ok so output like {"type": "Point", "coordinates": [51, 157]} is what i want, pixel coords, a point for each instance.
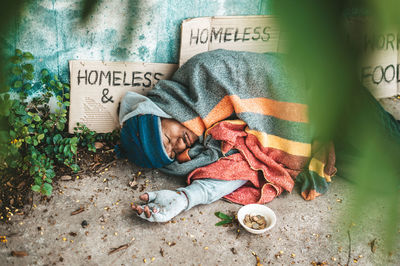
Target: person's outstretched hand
{"type": "Point", "coordinates": [161, 206]}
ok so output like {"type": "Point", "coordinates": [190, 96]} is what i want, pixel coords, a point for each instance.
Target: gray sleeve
{"type": "Point", "coordinates": [205, 191]}
{"type": "Point", "coordinates": [133, 104]}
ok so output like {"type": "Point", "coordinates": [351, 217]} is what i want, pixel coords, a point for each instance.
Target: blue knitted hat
{"type": "Point", "coordinates": [141, 142]}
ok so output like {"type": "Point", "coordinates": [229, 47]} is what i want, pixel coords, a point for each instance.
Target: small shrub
{"type": "Point", "coordinates": [37, 139]}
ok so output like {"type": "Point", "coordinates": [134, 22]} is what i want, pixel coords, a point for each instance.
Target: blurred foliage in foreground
{"type": "Point", "coordinates": [318, 45]}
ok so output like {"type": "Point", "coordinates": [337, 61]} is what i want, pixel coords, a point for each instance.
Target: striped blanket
{"type": "Point", "coordinates": [246, 102]}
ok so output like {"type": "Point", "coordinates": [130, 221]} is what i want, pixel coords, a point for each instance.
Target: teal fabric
{"type": "Point", "coordinates": [141, 142]}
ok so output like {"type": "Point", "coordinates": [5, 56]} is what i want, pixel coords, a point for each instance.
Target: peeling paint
{"type": "Point", "coordinates": [143, 52]}
{"type": "Point", "coordinates": [120, 53]}
{"type": "Point", "coordinates": [129, 30]}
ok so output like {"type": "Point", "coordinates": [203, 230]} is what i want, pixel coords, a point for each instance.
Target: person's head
{"type": "Point", "coordinates": [148, 141]}
{"type": "Point", "coordinates": [176, 137]}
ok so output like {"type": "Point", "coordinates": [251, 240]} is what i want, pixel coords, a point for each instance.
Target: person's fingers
{"type": "Point", "coordinates": [133, 206]}
{"type": "Point", "coordinates": [155, 217]}
{"type": "Point", "coordinates": [158, 216]}
{"type": "Point", "coordinates": [147, 211]}
{"type": "Point", "coordinates": [144, 197]}
{"type": "Point", "coordinates": [153, 207]}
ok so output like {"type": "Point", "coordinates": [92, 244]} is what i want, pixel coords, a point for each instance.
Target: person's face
{"type": "Point", "coordinates": [176, 137]}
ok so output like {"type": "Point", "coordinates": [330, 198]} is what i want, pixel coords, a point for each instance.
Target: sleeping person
{"type": "Point", "coordinates": [233, 125]}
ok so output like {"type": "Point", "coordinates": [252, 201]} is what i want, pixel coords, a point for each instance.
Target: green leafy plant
{"type": "Point", "coordinates": [87, 137]}
{"type": "Point", "coordinates": [225, 219]}
{"type": "Point", "coordinates": [37, 140]}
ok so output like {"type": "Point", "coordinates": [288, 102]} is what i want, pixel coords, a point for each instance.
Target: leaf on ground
{"type": "Point", "coordinates": [118, 249]}
{"type": "Point", "coordinates": [223, 222]}
{"type": "Point", "coordinates": [81, 209]}
{"type": "Point", "coordinates": [19, 253]}
{"type": "Point", "coordinates": [223, 216]}
{"type": "Point", "coordinates": [98, 145]}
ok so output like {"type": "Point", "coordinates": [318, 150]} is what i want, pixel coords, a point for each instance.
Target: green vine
{"type": "Point", "coordinates": [37, 140]}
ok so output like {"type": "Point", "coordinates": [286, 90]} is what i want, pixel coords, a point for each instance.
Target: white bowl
{"type": "Point", "coordinates": [257, 209]}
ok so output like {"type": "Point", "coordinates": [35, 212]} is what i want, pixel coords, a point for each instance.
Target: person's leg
{"type": "Point", "coordinates": [163, 205]}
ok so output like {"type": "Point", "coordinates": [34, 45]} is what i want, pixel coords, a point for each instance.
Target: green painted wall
{"type": "Point", "coordinates": [118, 30]}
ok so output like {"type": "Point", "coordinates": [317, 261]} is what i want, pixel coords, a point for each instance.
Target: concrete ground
{"type": "Point", "coordinates": [306, 233]}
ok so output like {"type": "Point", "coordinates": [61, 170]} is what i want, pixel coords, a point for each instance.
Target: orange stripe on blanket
{"type": "Point", "coordinates": [310, 195]}
{"type": "Point", "coordinates": [222, 110]}
{"type": "Point", "coordinates": [295, 112]}
{"type": "Point", "coordinates": [231, 103]}
{"type": "Point", "coordinates": [184, 156]}
{"type": "Point", "coordinates": [289, 146]}
{"type": "Point", "coordinates": [196, 125]}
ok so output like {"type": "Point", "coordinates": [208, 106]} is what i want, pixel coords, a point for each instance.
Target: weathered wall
{"type": "Point", "coordinates": [119, 30]}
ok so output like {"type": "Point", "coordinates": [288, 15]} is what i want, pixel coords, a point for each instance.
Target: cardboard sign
{"type": "Point", "coordinates": [379, 73]}
{"type": "Point", "coordinates": [379, 69]}
{"type": "Point", "coordinates": [97, 88]}
{"type": "Point", "coordinates": [241, 33]}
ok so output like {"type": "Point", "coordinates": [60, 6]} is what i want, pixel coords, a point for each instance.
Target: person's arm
{"type": "Point", "coordinates": [206, 191]}
{"type": "Point", "coordinates": [163, 205]}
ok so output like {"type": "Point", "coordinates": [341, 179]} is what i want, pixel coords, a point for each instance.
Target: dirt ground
{"type": "Point", "coordinates": [89, 218]}
{"type": "Point", "coordinates": [88, 221]}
